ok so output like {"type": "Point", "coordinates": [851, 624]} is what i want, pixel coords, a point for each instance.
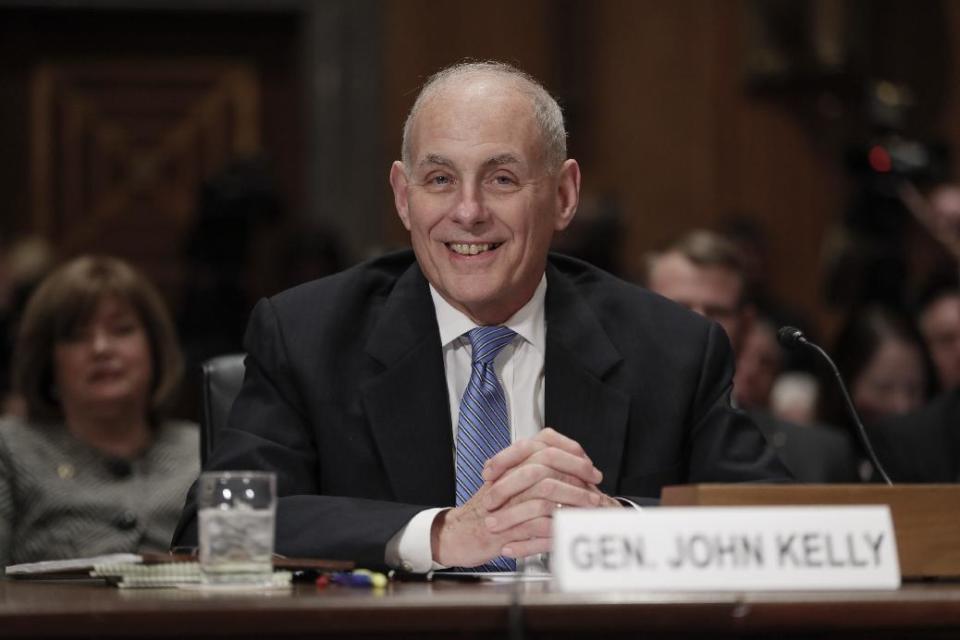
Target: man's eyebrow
{"type": "Point", "coordinates": [495, 161]}
{"type": "Point", "coordinates": [502, 159]}
{"type": "Point", "coordinates": [433, 158]}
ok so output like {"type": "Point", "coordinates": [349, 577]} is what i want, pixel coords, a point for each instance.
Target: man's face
{"type": "Point", "coordinates": [892, 383]}
{"type": "Point", "coordinates": [479, 200]}
{"type": "Point", "coordinates": [714, 292]}
{"type": "Point", "coordinates": [758, 366]}
{"type": "Point", "coordinates": [945, 210]}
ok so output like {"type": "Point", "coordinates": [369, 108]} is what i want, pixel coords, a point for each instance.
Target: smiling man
{"type": "Point", "coordinates": [433, 408]}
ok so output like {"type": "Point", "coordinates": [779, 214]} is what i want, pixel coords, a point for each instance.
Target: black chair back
{"type": "Point", "coordinates": [222, 377]}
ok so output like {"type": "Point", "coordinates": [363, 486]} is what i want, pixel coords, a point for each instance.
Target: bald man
{"type": "Point", "coordinates": [433, 408]}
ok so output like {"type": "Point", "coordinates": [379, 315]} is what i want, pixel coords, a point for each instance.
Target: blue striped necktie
{"type": "Point", "coordinates": [483, 428]}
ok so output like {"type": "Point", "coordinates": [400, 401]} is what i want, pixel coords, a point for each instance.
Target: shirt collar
{"type": "Point", "coordinates": [527, 322]}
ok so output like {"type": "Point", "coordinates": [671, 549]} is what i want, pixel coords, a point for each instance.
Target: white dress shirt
{"type": "Point", "coordinates": [519, 367]}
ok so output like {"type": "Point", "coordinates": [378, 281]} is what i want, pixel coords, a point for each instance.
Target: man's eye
{"type": "Point", "coordinates": [503, 180]}
{"type": "Point", "coordinates": [439, 180]}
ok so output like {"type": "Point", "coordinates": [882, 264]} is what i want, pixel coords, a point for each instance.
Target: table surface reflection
{"type": "Point", "coordinates": [531, 609]}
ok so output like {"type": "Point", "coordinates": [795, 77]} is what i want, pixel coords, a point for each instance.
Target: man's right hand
{"type": "Point", "coordinates": [511, 513]}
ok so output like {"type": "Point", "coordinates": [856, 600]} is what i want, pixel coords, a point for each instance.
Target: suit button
{"type": "Point", "coordinates": [126, 520]}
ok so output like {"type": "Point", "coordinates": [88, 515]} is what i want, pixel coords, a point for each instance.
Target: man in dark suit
{"type": "Point", "coordinates": [358, 386]}
{"type": "Point", "coordinates": [922, 446]}
{"type": "Point", "coordinates": [704, 272]}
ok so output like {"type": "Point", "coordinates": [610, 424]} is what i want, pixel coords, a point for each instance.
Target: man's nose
{"type": "Point", "coordinates": [470, 208]}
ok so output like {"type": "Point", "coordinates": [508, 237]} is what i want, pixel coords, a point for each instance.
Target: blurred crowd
{"type": "Point", "coordinates": [892, 278]}
{"type": "Point", "coordinates": [897, 347]}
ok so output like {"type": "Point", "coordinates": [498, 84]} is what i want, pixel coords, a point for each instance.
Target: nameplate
{"type": "Point", "coordinates": [725, 548]}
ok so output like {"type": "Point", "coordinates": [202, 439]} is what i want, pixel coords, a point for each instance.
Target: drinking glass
{"type": "Point", "coordinates": [237, 512]}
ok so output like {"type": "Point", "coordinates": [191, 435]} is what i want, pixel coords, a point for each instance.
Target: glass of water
{"type": "Point", "coordinates": [237, 511]}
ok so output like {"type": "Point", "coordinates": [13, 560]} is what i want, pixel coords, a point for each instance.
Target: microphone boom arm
{"type": "Point", "coordinates": [790, 337]}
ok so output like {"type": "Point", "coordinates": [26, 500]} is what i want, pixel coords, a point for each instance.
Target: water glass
{"type": "Point", "coordinates": [237, 512]}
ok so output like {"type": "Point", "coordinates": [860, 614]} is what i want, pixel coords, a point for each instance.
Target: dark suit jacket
{"type": "Point", "coordinates": [345, 397]}
{"type": "Point", "coordinates": [818, 454]}
{"type": "Point", "coordinates": [923, 446]}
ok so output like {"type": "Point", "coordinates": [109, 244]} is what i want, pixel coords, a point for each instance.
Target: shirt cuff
{"type": "Point", "coordinates": [409, 548]}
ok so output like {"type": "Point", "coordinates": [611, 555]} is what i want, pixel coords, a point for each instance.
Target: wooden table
{"type": "Point", "coordinates": [520, 610]}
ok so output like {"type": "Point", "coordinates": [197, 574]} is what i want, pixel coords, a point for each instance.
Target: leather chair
{"type": "Point", "coordinates": [222, 377]}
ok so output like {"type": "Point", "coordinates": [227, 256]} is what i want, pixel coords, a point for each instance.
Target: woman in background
{"type": "Point", "coordinates": [881, 357]}
{"type": "Point", "coordinates": [94, 467]}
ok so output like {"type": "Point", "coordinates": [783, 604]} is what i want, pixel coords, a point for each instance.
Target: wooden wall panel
{"type": "Point", "coordinates": [684, 145]}
{"type": "Point", "coordinates": [949, 117]}
{"type": "Point", "coordinates": [116, 117]}
{"type": "Point", "coordinates": [655, 99]}
{"type": "Point", "coordinates": [658, 108]}
{"type": "Point", "coordinates": [109, 134]}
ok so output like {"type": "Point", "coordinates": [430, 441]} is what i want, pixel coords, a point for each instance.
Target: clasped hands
{"type": "Point", "coordinates": [511, 513]}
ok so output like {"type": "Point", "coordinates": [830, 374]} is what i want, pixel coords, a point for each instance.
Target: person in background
{"type": "Point", "coordinates": [924, 445]}
{"type": "Point", "coordinates": [758, 365]}
{"type": "Point", "coordinates": [24, 262]}
{"type": "Point", "coordinates": [939, 214]}
{"type": "Point", "coordinates": [761, 383]}
{"type": "Point", "coordinates": [239, 210]}
{"type": "Point", "coordinates": [753, 245]}
{"type": "Point", "coordinates": [881, 357]}
{"type": "Point", "coordinates": [94, 467]}
{"type": "Point", "coordinates": [938, 318]}
{"type": "Point", "coordinates": [703, 272]}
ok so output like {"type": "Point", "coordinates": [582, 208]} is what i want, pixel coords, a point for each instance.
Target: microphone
{"type": "Point", "coordinates": [792, 338]}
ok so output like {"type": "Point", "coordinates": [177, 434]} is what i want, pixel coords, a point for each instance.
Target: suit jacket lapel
{"type": "Point", "coordinates": [579, 355]}
{"type": "Point", "coordinates": [407, 403]}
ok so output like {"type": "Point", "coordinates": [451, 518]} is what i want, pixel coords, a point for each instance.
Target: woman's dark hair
{"type": "Point", "coordinates": [63, 303]}
{"type": "Point", "coordinates": [865, 331]}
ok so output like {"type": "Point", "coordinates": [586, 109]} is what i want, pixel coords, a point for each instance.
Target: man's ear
{"type": "Point", "coordinates": [398, 182]}
{"type": "Point", "coordinates": [568, 194]}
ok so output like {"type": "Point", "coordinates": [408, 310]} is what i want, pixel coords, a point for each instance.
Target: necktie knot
{"type": "Point", "coordinates": [487, 342]}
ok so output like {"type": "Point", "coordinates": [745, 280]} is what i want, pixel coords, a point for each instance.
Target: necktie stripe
{"type": "Point", "coordinates": [475, 457]}
{"type": "Point", "coordinates": [476, 453]}
{"type": "Point", "coordinates": [493, 393]}
{"type": "Point", "coordinates": [483, 428]}
{"type": "Point", "coordinates": [479, 414]}
{"type": "Point", "coordinates": [479, 417]}
{"type": "Point", "coordinates": [472, 463]}
{"type": "Point", "coordinates": [488, 351]}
